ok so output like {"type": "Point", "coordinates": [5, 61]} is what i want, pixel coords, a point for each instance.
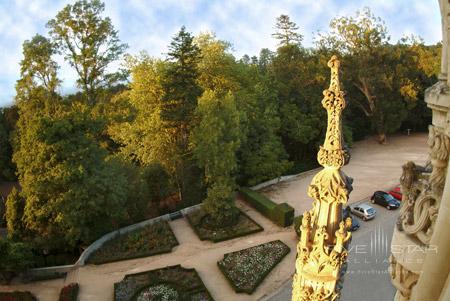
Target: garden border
{"type": "Point", "coordinates": [140, 255]}
{"type": "Point", "coordinates": [203, 238]}
{"type": "Point", "coordinates": [163, 282]}
{"type": "Point", "coordinates": [260, 279]}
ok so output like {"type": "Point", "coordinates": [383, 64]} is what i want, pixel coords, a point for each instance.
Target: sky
{"type": "Point", "coordinates": [248, 24]}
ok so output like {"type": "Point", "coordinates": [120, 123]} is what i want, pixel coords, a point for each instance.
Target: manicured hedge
{"type": "Point", "coordinates": [153, 239]}
{"type": "Point", "coordinates": [17, 296]}
{"type": "Point", "coordinates": [69, 292]}
{"type": "Point", "coordinates": [297, 224]}
{"type": "Point", "coordinates": [182, 284]}
{"type": "Point", "coordinates": [281, 214]}
{"type": "Point", "coordinates": [244, 226]}
{"type": "Point", "coordinates": [247, 268]}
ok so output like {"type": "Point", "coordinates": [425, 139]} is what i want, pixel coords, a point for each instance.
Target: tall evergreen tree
{"type": "Point", "coordinates": [287, 31]}
{"type": "Point", "coordinates": [215, 142]}
{"type": "Point", "coordinates": [181, 92]}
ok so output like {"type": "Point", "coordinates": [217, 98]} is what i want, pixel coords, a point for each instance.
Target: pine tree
{"type": "Point", "coordinates": [287, 31]}
{"type": "Point", "coordinates": [181, 93]}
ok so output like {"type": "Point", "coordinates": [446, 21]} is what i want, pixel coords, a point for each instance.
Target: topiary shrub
{"type": "Point", "coordinates": [297, 224]}
{"type": "Point", "coordinates": [281, 214]}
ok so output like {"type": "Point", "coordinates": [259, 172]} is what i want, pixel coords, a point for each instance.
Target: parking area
{"type": "Point", "coordinates": [367, 277]}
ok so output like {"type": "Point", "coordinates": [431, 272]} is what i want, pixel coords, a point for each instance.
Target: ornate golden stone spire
{"type": "Point", "coordinates": [322, 248]}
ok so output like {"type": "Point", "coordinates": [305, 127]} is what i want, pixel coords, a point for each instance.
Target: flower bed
{"type": "Point", "coordinates": [69, 292]}
{"type": "Point", "coordinates": [151, 240]}
{"type": "Point", "coordinates": [17, 296]}
{"type": "Point", "coordinates": [167, 284]}
{"type": "Point", "coordinates": [244, 226]}
{"type": "Point", "coordinates": [247, 268]}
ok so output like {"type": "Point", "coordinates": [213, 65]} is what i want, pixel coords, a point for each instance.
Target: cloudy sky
{"type": "Point", "coordinates": [247, 24]}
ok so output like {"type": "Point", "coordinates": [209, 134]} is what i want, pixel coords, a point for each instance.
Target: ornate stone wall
{"type": "Point", "coordinates": [420, 259]}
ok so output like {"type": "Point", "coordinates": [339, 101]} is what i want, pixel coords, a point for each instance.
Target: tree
{"type": "Point", "coordinates": [72, 194]}
{"type": "Point", "coordinates": [216, 65]}
{"type": "Point", "coordinates": [181, 93]}
{"type": "Point", "coordinates": [287, 31]}
{"type": "Point", "coordinates": [90, 44]}
{"type": "Point", "coordinates": [372, 69]}
{"type": "Point", "coordinates": [181, 90]}
{"type": "Point", "coordinates": [215, 142]}
{"type": "Point", "coordinates": [16, 257]}
{"type": "Point", "coordinates": [37, 69]}
{"type": "Point", "coordinates": [262, 155]}
{"type": "Point", "coordinates": [299, 78]}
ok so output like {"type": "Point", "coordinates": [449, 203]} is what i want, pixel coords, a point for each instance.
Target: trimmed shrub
{"type": "Point", "coordinates": [17, 296]}
{"type": "Point", "coordinates": [69, 292]}
{"type": "Point", "coordinates": [281, 214]}
{"type": "Point", "coordinates": [297, 224]}
{"type": "Point", "coordinates": [247, 268]}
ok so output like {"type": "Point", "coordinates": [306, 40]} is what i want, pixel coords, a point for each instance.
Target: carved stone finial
{"type": "Point", "coordinates": [332, 152]}
{"type": "Point", "coordinates": [322, 245]}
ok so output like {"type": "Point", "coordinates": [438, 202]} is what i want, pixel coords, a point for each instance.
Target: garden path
{"type": "Point", "coordinates": [372, 166]}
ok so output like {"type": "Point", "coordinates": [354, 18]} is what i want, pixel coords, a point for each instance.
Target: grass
{"type": "Point", "coordinates": [247, 268]}
{"type": "Point", "coordinates": [153, 239]}
{"type": "Point", "coordinates": [244, 226]}
{"type": "Point", "coordinates": [170, 283]}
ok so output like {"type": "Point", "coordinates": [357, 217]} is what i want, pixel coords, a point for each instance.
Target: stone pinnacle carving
{"type": "Point", "coordinates": [322, 248]}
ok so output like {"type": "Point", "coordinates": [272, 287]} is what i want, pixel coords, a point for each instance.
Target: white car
{"type": "Point", "coordinates": [364, 211]}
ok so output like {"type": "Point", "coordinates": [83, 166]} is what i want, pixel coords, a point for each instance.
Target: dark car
{"type": "Point", "coordinates": [396, 192]}
{"type": "Point", "coordinates": [345, 214]}
{"type": "Point", "coordinates": [385, 199]}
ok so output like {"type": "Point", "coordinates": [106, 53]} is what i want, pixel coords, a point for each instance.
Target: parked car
{"type": "Point", "coordinates": [396, 192]}
{"type": "Point", "coordinates": [385, 199]}
{"type": "Point", "coordinates": [364, 211]}
{"type": "Point", "coordinates": [346, 213]}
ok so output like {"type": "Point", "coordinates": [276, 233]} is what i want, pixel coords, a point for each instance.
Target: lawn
{"type": "Point", "coordinates": [247, 268]}
{"type": "Point", "coordinates": [151, 240]}
{"type": "Point", "coordinates": [173, 283]}
{"type": "Point", "coordinates": [244, 226]}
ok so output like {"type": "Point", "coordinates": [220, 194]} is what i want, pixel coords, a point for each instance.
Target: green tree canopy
{"type": "Point", "coordinates": [72, 194]}
{"type": "Point", "coordinates": [89, 42]}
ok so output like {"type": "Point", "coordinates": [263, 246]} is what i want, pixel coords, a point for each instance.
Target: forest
{"type": "Point", "coordinates": [163, 133]}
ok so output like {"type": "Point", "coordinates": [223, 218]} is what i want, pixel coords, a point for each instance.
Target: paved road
{"type": "Point", "coordinates": [367, 277]}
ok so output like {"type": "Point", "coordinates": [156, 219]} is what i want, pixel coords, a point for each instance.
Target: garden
{"type": "Point", "coordinates": [167, 284]}
{"type": "Point", "coordinates": [153, 239]}
{"type": "Point", "coordinates": [244, 225]}
{"type": "Point", "coordinates": [246, 269]}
